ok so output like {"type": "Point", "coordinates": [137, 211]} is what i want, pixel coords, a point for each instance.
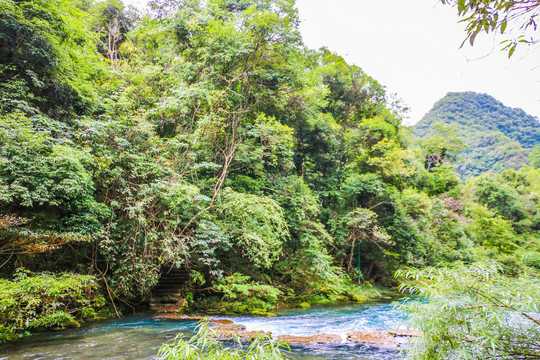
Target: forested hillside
{"type": "Point", "coordinates": [208, 137]}
{"type": "Point", "coordinates": [496, 137]}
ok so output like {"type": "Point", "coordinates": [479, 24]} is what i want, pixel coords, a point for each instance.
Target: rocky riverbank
{"type": "Point", "coordinates": [228, 330]}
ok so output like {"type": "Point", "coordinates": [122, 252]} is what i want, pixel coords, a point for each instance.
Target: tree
{"type": "Point", "coordinates": [256, 224]}
{"type": "Point", "coordinates": [442, 145]}
{"type": "Point", "coordinates": [363, 226]}
{"type": "Point", "coordinates": [112, 22]}
{"type": "Point", "coordinates": [491, 16]}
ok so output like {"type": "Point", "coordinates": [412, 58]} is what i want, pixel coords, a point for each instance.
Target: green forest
{"type": "Point", "coordinates": [205, 136]}
{"type": "Point", "coordinates": [495, 137]}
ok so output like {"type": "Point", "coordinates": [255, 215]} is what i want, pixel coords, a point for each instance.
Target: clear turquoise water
{"type": "Point", "coordinates": [140, 336]}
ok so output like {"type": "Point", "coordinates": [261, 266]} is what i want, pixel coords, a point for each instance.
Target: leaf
{"type": "Point", "coordinates": [503, 26]}
{"type": "Point", "coordinates": [472, 37]}
{"type": "Point", "coordinates": [511, 52]}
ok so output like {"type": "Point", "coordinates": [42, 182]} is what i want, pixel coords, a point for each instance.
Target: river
{"type": "Point", "coordinates": [140, 336]}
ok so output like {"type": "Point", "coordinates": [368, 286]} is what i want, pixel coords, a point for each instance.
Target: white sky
{"type": "Point", "coordinates": [412, 48]}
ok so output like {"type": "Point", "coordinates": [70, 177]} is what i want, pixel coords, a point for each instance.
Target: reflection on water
{"type": "Point", "coordinates": [140, 337]}
{"type": "Point", "coordinates": [344, 352]}
{"type": "Point", "coordinates": [133, 337]}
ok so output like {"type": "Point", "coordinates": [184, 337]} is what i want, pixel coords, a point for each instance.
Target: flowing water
{"type": "Point", "coordinates": [140, 336]}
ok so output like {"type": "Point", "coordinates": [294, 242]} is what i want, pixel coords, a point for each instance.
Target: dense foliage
{"type": "Point", "coordinates": [496, 137]}
{"type": "Point", "coordinates": [474, 312]}
{"type": "Point", "coordinates": [206, 136]}
{"type": "Point", "coordinates": [505, 216]}
{"type": "Point", "coordinates": [46, 301]}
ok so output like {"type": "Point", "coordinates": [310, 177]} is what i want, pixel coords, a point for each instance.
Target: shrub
{"type": "Point", "coordinates": [474, 312]}
{"type": "Point", "coordinates": [45, 301]}
{"type": "Point", "coordinates": [240, 288]}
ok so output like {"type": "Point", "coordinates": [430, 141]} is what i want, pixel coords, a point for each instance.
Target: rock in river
{"type": "Point", "coordinates": [311, 340]}
{"type": "Point", "coordinates": [404, 333]}
{"type": "Point", "coordinates": [377, 337]}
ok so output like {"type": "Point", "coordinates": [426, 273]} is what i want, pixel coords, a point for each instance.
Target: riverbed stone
{"type": "Point", "coordinates": [304, 305]}
{"type": "Point", "coordinates": [404, 333]}
{"type": "Point", "coordinates": [227, 330]}
{"type": "Point", "coordinates": [376, 337]}
{"type": "Point", "coordinates": [311, 340]}
{"type": "Point", "coordinates": [221, 322]}
{"type": "Point", "coordinates": [177, 316]}
{"type": "Point", "coordinates": [226, 327]}
{"type": "Point", "coordinates": [227, 334]}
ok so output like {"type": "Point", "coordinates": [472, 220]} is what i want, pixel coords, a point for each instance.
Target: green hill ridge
{"type": "Point", "coordinates": [497, 137]}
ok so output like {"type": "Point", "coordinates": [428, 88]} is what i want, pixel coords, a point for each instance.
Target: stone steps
{"type": "Point", "coordinates": [166, 296]}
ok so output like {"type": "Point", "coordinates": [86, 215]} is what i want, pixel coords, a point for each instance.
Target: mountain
{"type": "Point", "coordinates": [497, 137]}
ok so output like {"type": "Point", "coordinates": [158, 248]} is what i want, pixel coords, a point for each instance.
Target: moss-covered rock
{"type": "Point", "coordinates": [319, 300]}
{"type": "Point", "coordinates": [338, 298]}
{"type": "Point", "coordinates": [357, 298]}
{"type": "Point", "coordinates": [261, 312]}
{"type": "Point", "coordinates": [106, 312]}
{"type": "Point", "coordinates": [71, 324]}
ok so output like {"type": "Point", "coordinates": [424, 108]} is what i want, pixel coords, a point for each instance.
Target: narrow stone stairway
{"type": "Point", "coordinates": [166, 296]}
